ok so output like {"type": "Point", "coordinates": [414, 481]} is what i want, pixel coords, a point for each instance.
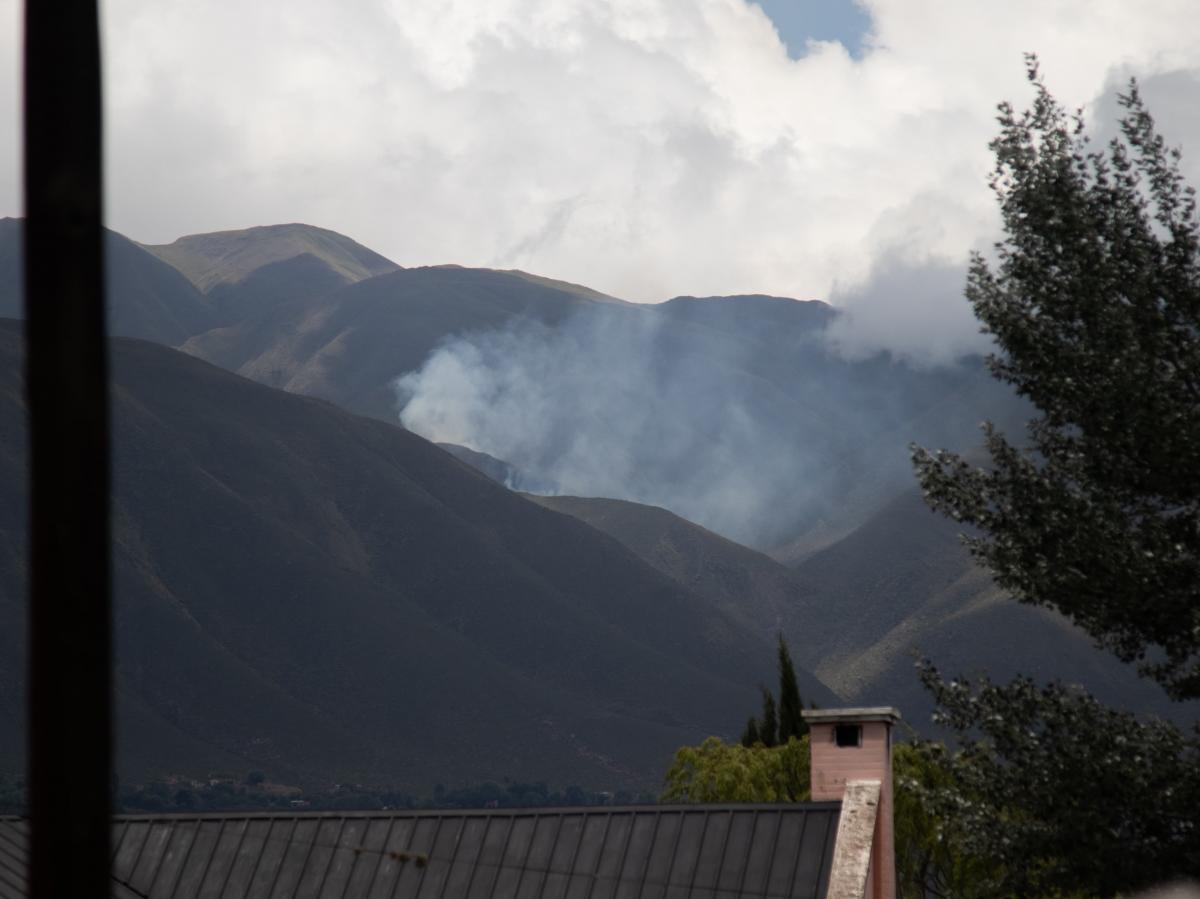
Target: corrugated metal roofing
{"type": "Point", "coordinates": [664, 852]}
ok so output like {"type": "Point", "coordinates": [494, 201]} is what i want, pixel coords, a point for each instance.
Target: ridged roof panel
{"type": "Point", "coordinates": [641, 852]}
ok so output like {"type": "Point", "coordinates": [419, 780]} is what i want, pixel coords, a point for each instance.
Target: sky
{"type": "Point", "coordinates": [646, 148]}
{"type": "Point", "coordinates": [801, 21]}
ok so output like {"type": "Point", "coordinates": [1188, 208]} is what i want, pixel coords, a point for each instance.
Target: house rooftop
{"type": "Point", "coordinates": [702, 851]}
{"type": "Point", "coordinates": [838, 716]}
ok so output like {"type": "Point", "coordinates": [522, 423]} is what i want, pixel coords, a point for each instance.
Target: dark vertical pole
{"type": "Point", "coordinates": [67, 389]}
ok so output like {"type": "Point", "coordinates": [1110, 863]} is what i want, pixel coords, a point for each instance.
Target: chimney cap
{"type": "Point", "coordinates": [886, 713]}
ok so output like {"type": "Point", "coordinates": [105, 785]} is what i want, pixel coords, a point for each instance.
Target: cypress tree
{"type": "Point", "coordinates": [768, 728]}
{"type": "Point", "coordinates": [750, 734]}
{"type": "Point", "coordinates": [791, 721]}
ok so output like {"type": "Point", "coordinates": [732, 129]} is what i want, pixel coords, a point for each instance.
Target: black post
{"type": "Point", "coordinates": [66, 371]}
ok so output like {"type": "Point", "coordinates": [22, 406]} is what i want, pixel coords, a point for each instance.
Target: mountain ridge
{"type": "Point", "coordinates": [218, 258]}
{"type": "Point", "coordinates": [401, 619]}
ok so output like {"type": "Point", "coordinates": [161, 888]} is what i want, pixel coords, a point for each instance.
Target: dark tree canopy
{"type": "Point", "coordinates": [768, 726]}
{"type": "Point", "coordinates": [750, 734]}
{"type": "Point", "coordinates": [1094, 303]}
{"type": "Point", "coordinates": [1052, 793]}
{"type": "Point", "coordinates": [791, 721]}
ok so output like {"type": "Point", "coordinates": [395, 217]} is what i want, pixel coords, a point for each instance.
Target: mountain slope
{"type": "Point", "coordinates": [348, 347]}
{"type": "Point", "coordinates": [731, 411]}
{"type": "Point", "coordinates": [823, 440]}
{"type": "Point", "coordinates": [230, 257]}
{"type": "Point", "coordinates": [902, 583]}
{"type": "Point", "coordinates": [764, 595]}
{"type": "Point", "coordinates": [752, 316]}
{"type": "Point", "coordinates": [328, 597]}
{"type": "Point", "coordinates": [249, 273]}
{"type": "Point", "coordinates": [146, 297]}
{"type": "Point", "coordinates": [857, 612]}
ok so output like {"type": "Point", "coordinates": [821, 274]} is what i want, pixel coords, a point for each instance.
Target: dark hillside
{"type": "Point", "coordinates": [350, 346]}
{"type": "Point", "coordinates": [330, 598]}
{"type": "Point", "coordinates": [903, 583]}
{"type": "Point", "coordinates": [764, 595]}
{"type": "Point", "coordinates": [146, 297]}
{"type": "Point", "coordinates": [857, 612]}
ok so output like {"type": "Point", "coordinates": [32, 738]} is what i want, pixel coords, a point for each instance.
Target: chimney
{"type": "Point", "coordinates": [852, 763]}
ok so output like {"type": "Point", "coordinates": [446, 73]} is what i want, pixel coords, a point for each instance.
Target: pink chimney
{"type": "Point", "coordinates": [852, 763]}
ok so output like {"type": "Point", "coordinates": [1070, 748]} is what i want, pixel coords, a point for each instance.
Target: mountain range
{"type": "Point", "coordinates": [303, 589]}
{"type": "Point", "coordinates": [307, 588]}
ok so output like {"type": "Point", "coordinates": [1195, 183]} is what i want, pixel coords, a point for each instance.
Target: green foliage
{"type": "Point", "coordinates": [930, 860]}
{"type": "Point", "coordinates": [1058, 793]}
{"type": "Point", "coordinates": [791, 722]}
{"type": "Point", "coordinates": [1095, 305]}
{"type": "Point", "coordinates": [716, 771]}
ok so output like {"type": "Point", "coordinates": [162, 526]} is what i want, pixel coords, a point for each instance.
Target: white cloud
{"type": "Point", "coordinates": [11, 202]}
{"type": "Point", "coordinates": [644, 147]}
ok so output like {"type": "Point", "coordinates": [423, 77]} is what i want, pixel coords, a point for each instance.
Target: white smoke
{"type": "Point", "coordinates": [749, 435]}
{"type": "Point", "coordinates": [604, 405]}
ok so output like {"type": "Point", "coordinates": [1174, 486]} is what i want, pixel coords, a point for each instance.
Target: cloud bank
{"type": "Point", "coordinates": [647, 148]}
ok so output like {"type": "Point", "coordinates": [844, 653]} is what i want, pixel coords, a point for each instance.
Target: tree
{"type": "Point", "coordinates": [931, 853]}
{"type": "Point", "coordinates": [929, 860]}
{"type": "Point", "coordinates": [716, 771]}
{"type": "Point", "coordinates": [1094, 304]}
{"type": "Point", "coordinates": [750, 734]}
{"type": "Point", "coordinates": [768, 725]}
{"type": "Point", "coordinates": [1095, 307]}
{"type": "Point", "coordinates": [782, 720]}
{"type": "Point", "coordinates": [1051, 793]}
{"type": "Point", "coordinates": [791, 722]}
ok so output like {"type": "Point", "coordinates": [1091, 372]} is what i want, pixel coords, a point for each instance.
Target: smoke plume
{"type": "Point", "coordinates": [748, 424]}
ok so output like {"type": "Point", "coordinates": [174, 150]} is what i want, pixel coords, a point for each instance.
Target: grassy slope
{"type": "Point", "coordinates": [229, 257]}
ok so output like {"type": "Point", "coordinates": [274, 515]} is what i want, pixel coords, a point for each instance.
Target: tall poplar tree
{"type": "Point", "coordinates": [1094, 303]}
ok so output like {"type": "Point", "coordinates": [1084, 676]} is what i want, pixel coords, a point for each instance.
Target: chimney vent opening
{"type": "Point", "coordinates": [847, 735]}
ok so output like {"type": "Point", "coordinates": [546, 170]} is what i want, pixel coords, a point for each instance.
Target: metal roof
{"type": "Point", "coordinates": [665, 852]}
